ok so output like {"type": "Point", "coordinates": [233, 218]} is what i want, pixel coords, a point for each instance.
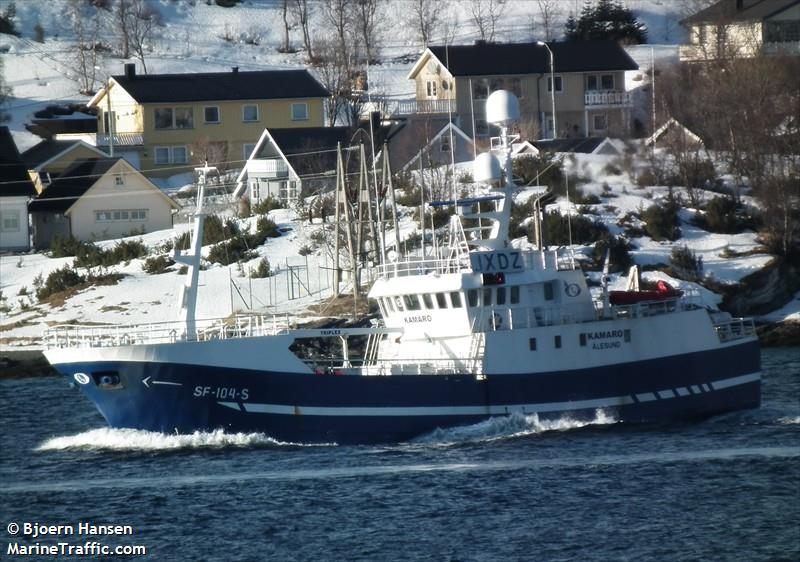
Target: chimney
{"type": "Point", "coordinates": [234, 69]}
{"type": "Point", "coordinates": [130, 71]}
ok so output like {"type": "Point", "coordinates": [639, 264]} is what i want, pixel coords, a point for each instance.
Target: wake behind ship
{"type": "Point", "coordinates": [475, 329]}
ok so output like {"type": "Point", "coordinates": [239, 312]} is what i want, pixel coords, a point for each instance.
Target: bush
{"type": "Point", "coordinates": [556, 229]}
{"type": "Point", "coordinates": [720, 216]}
{"type": "Point", "coordinates": [262, 269]}
{"type": "Point", "coordinates": [61, 247]}
{"type": "Point", "coordinates": [661, 222]}
{"type": "Point", "coordinates": [546, 168]}
{"type": "Point", "coordinates": [231, 251]}
{"type": "Point", "coordinates": [409, 197]}
{"type": "Point", "coordinates": [265, 228]}
{"type": "Point", "coordinates": [216, 230]}
{"type": "Point", "coordinates": [266, 205]}
{"type": "Point", "coordinates": [59, 280]}
{"type": "Point", "coordinates": [684, 264]}
{"type": "Point", "coordinates": [89, 255]}
{"type": "Point", "coordinates": [619, 254]}
{"type": "Point", "coordinates": [305, 250]}
{"type": "Point", "coordinates": [156, 264]}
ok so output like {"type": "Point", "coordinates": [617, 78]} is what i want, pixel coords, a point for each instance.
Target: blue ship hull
{"type": "Point", "coordinates": [324, 408]}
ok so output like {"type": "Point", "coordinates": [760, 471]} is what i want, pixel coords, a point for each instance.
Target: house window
{"type": "Point", "coordinates": [162, 155]}
{"type": "Point", "coordinates": [211, 114]}
{"type": "Point", "coordinates": [559, 84]}
{"type": "Point", "coordinates": [170, 155]}
{"type": "Point", "coordinates": [119, 179]}
{"type": "Point", "coordinates": [248, 149]}
{"type": "Point", "coordinates": [596, 82]}
{"type": "Point", "coordinates": [430, 88]}
{"type": "Point", "coordinates": [179, 155]}
{"type": "Point", "coordinates": [514, 85]}
{"type": "Point", "coordinates": [607, 81]}
{"type": "Point", "coordinates": [249, 113]}
{"type": "Point", "coordinates": [9, 220]}
{"type": "Point", "coordinates": [444, 143]}
{"type": "Point", "coordinates": [480, 89]}
{"type": "Point", "coordinates": [163, 117]}
{"type": "Point", "coordinates": [109, 118]}
{"type": "Point", "coordinates": [599, 122]}
{"type": "Point", "coordinates": [121, 215]}
{"type": "Point", "coordinates": [299, 112]}
{"type": "Point", "coordinates": [174, 118]}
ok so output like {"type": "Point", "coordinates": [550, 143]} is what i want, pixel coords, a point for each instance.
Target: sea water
{"type": "Point", "coordinates": [517, 488]}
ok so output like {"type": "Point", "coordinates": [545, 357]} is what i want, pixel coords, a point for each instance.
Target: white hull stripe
{"type": "Point", "coordinates": [394, 411]}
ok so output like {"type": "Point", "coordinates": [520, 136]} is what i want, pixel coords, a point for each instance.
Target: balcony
{"type": "Point", "coordinates": [274, 168]}
{"type": "Point", "coordinates": [414, 107]}
{"type": "Point", "coordinates": [606, 99]}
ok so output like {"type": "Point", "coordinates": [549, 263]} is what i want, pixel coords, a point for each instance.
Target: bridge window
{"type": "Point", "coordinates": [426, 298]}
{"type": "Point", "coordinates": [515, 294]}
{"type": "Point", "coordinates": [501, 295]}
{"type": "Point", "coordinates": [557, 342]}
{"type": "Point", "coordinates": [532, 344]}
{"type": "Point", "coordinates": [388, 304]}
{"type": "Point", "coordinates": [548, 291]}
{"type": "Point", "coordinates": [398, 303]}
{"type": "Point", "coordinates": [441, 300]}
{"type": "Point", "coordinates": [411, 302]}
{"type": "Point", "coordinates": [472, 298]}
{"type": "Point", "coordinates": [455, 299]}
{"type": "Point", "coordinates": [487, 297]}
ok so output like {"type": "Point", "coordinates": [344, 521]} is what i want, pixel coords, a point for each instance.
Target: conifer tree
{"type": "Point", "coordinates": [607, 19]}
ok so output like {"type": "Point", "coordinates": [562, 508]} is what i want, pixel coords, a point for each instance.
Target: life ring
{"type": "Point", "coordinates": [495, 321]}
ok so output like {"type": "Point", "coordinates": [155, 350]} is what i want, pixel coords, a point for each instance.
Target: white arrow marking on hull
{"type": "Point", "coordinates": [144, 382]}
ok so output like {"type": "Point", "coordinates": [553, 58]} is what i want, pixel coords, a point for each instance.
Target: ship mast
{"type": "Point", "coordinates": [188, 294]}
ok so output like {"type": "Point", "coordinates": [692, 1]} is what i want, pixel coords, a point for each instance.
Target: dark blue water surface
{"type": "Point", "coordinates": [516, 489]}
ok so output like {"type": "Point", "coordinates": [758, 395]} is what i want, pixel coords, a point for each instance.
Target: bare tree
{"type": "Point", "coordinates": [142, 21]}
{"type": "Point", "coordinates": [368, 20]}
{"type": "Point", "coordinates": [333, 71]}
{"type": "Point", "coordinates": [486, 14]}
{"type": "Point", "coordinates": [338, 13]}
{"type": "Point", "coordinates": [121, 19]}
{"type": "Point", "coordinates": [549, 12]}
{"type": "Point", "coordinates": [425, 18]}
{"type": "Point", "coordinates": [85, 57]}
{"type": "Point", "coordinates": [287, 26]}
{"type": "Point", "coordinates": [302, 13]}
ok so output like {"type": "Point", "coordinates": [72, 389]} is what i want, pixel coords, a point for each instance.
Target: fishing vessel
{"type": "Point", "coordinates": [475, 329]}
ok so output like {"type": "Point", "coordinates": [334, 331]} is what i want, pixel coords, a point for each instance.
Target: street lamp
{"type": "Point", "coordinates": [552, 85]}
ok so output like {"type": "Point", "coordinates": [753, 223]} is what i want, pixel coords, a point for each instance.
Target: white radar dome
{"type": "Point", "coordinates": [486, 168]}
{"type": "Point", "coordinates": [502, 108]}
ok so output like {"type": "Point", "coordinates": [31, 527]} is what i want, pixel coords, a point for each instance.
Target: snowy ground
{"type": "Point", "coordinates": [191, 41]}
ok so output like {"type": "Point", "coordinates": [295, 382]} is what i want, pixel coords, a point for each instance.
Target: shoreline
{"type": "Point", "coordinates": [30, 362]}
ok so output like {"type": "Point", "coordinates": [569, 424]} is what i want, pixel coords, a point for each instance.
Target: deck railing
{"type": "Point", "coordinates": [735, 329]}
{"type": "Point", "coordinates": [72, 335]}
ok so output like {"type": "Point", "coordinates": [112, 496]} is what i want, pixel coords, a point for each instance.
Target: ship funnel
{"type": "Point", "coordinates": [502, 108]}
{"type": "Point", "coordinates": [486, 168]}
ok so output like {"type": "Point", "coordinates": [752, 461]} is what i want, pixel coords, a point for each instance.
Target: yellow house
{"type": "Point", "coordinates": [742, 29]}
{"type": "Point", "coordinates": [588, 78]}
{"type": "Point", "coordinates": [51, 157]}
{"type": "Point", "coordinates": [99, 199]}
{"type": "Point", "coordinates": [167, 123]}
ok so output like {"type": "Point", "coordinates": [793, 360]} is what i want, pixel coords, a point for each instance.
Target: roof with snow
{"type": "Point", "coordinates": [70, 186]}
{"type": "Point", "coordinates": [729, 11]}
{"type": "Point", "coordinates": [221, 86]}
{"type": "Point", "coordinates": [14, 178]}
{"type": "Point", "coordinates": [489, 59]}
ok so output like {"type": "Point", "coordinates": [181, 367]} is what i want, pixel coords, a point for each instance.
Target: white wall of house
{"type": "Point", "coordinates": [14, 231]}
{"type": "Point", "coordinates": [112, 210]}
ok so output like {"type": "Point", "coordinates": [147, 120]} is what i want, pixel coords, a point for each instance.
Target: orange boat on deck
{"type": "Point", "coordinates": [662, 292]}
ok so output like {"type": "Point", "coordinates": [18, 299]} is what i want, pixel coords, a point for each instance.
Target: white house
{"type": "Point", "coordinates": [100, 199]}
{"type": "Point", "coordinates": [16, 190]}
